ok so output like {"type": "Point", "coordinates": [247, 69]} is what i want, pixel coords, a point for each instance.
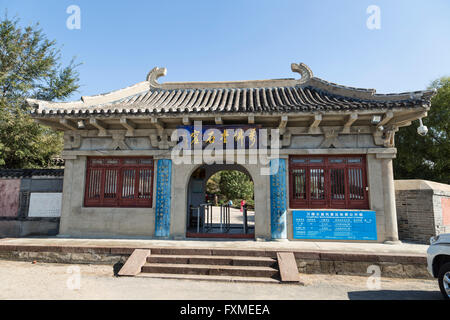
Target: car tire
{"type": "Point", "coordinates": [444, 284]}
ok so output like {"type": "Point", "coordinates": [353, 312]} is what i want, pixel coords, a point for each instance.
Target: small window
{"type": "Point", "coordinates": [337, 160]}
{"type": "Point", "coordinates": [119, 182]}
{"type": "Point", "coordinates": [354, 160]}
{"type": "Point", "coordinates": [337, 182]}
{"type": "Point", "coordinates": [316, 160]}
{"type": "Point", "coordinates": [294, 160]}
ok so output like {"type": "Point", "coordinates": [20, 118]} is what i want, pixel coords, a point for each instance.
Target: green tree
{"type": "Point", "coordinates": [427, 157]}
{"type": "Point", "coordinates": [212, 185]}
{"type": "Point", "coordinates": [236, 185]}
{"type": "Point", "coordinates": [29, 68]}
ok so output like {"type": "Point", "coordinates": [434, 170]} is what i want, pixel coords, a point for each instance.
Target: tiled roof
{"type": "Point", "coordinates": [260, 96]}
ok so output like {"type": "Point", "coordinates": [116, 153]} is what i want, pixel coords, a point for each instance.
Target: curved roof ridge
{"type": "Point", "coordinates": [366, 94]}
{"type": "Point", "coordinates": [153, 95]}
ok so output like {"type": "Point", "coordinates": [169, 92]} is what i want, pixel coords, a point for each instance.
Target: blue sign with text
{"type": "Point", "coordinates": [334, 224]}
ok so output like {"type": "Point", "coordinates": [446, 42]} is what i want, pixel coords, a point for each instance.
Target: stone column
{"type": "Point", "coordinates": [278, 202]}
{"type": "Point", "coordinates": [390, 211]}
{"type": "Point", "coordinates": [163, 198]}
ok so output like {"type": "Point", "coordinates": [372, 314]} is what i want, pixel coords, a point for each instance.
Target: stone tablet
{"type": "Point", "coordinates": [45, 205]}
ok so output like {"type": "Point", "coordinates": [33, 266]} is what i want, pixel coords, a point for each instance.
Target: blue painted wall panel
{"type": "Point", "coordinates": [163, 198]}
{"type": "Point", "coordinates": [278, 201]}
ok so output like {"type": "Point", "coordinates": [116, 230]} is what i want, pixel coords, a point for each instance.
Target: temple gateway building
{"type": "Point", "coordinates": [319, 155]}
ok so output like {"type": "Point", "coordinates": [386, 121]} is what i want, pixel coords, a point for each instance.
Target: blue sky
{"type": "Point", "coordinates": [120, 41]}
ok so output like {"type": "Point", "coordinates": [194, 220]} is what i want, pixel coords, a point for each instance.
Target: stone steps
{"type": "Point", "coordinates": [213, 260]}
{"type": "Point", "coordinates": [210, 269]}
{"type": "Point", "coordinates": [234, 265]}
{"type": "Point", "coordinates": [197, 277]}
{"type": "Point", "coordinates": [215, 252]}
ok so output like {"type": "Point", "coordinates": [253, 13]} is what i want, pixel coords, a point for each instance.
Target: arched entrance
{"type": "Point", "coordinates": [210, 214]}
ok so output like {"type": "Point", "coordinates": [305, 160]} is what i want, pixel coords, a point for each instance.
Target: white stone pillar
{"type": "Point", "coordinates": [390, 211]}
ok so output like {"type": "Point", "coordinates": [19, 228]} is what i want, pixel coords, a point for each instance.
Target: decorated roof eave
{"type": "Point", "coordinates": [108, 102]}
{"type": "Point", "coordinates": [212, 115]}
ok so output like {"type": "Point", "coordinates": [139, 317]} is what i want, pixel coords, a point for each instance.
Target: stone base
{"type": "Point", "coordinates": [392, 242]}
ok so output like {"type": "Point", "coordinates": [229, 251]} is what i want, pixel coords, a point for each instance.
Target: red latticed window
{"type": "Point", "coordinates": [119, 182]}
{"type": "Point", "coordinates": [337, 182]}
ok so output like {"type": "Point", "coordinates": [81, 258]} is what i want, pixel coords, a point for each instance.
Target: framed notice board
{"type": "Point", "coordinates": [334, 224]}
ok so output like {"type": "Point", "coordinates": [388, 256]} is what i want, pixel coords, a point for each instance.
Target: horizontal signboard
{"type": "Point", "coordinates": [242, 136]}
{"type": "Point", "coordinates": [334, 225]}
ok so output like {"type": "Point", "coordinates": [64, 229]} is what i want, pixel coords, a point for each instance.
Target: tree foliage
{"type": "Point", "coordinates": [236, 185]}
{"type": "Point", "coordinates": [29, 68]}
{"type": "Point", "coordinates": [427, 157]}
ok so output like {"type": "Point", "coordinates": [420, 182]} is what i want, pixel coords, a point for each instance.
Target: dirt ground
{"type": "Point", "coordinates": [24, 280]}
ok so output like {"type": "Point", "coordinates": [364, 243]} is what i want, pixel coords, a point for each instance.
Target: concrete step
{"type": "Point", "coordinates": [215, 270]}
{"type": "Point", "coordinates": [197, 277]}
{"type": "Point", "coordinates": [215, 252]}
{"type": "Point", "coordinates": [213, 260]}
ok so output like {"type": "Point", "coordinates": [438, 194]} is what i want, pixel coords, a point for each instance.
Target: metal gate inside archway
{"type": "Point", "coordinates": [212, 214]}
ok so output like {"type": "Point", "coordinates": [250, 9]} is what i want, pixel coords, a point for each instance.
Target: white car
{"type": "Point", "coordinates": [438, 260]}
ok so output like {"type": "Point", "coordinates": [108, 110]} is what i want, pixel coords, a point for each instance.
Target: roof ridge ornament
{"type": "Point", "coordinates": [303, 70]}
{"type": "Point", "coordinates": [154, 74]}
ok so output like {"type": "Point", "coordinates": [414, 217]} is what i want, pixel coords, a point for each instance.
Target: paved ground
{"type": "Point", "coordinates": [401, 248]}
{"type": "Point", "coordinates": [24, 280]}
{"type": "Point", "coordinates": [236, 216]}
{"type": "Point", "coordinates": [236, 221]}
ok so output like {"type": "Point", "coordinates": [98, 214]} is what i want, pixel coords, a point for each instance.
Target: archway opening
{"type": "Point", "coordinates": [220, 203]}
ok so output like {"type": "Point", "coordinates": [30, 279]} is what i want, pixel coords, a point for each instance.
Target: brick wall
{"type": "Point", "coordinates": [422, 210]}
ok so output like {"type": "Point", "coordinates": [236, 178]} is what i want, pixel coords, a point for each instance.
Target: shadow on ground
{"type": "Point", "coordinates": [395, 295]}
{"type": "Point", "coordinates": [116, 268]}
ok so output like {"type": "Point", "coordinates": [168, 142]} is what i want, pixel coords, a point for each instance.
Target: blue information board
{"type": "Point", "coordinates": [334, 224]}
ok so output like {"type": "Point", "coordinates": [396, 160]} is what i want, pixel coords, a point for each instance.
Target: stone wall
{"type": "Point", "coordinates": [422, 209]}
{"type": "Point", "coordinates": [29, 202]}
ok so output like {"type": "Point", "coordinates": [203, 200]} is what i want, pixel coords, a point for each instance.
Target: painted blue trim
{"type": "Point", "coordinates": [163, 198]}
{"type": "Point", "coordinates": [278, 199]}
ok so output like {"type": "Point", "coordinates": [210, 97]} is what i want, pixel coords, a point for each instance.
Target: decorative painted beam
{"type": "Point", "coordinates": [314, 126]}
{"type": "Point", "coordinates": [351, 119]}
{"type": "Point", "coordinates": [99, 125]}
{"type": "Point", "coordinates": [251, 119]}
{"type": "Point", "coordinates": [129, 125]}
{"type": "Point", "coordinates": [68, 124]}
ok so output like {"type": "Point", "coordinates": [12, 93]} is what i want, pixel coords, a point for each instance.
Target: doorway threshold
{"type": "Point", "coordinates": [220, 235]}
